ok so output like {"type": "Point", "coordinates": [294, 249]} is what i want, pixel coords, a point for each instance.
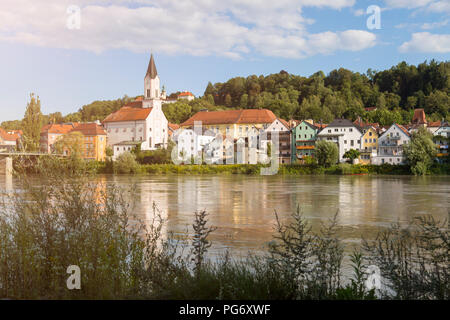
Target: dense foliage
{"type": "Point", "coordinates": [420, 152]}
{"type": "Point", "coordinates": [327, 153]}
{"type": "Point", "coordinates": [343, 93]}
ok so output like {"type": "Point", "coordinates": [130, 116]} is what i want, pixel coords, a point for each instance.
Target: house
{"type": "Point", "coordinates": [141, 120]}
{"type": "Point", "coordinates": [191, 143]}
{"type": "Point", "coordinates": [369, 145]}
{"type": "Point", "coordinates": [390, 145]}
{"type": "Point", "coordinates": [8, 141]}
{"type": "Point", "coordinates": [344, 133]}
{"type": "Point", "coordinates": [284, 139]}
{"type": "Point", "coordinates": [232, 123]}
{"type": "Point", "coordinates": [441, 137]}
{"type": "Point", "coordinates": [433, 126]}
{"type": "Point", "coordinates": [303, 140]}
{"type": "Point", "coordinates": [51, 133]}
{"type": "Point", "coordinates": [186, 95]}
{"type": "Point", "coordinates": [94, 140]}
{"type": "Point", "coordinates": [172, 127]}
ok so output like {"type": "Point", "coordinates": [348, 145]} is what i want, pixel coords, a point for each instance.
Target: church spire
{"type": "Point", "coordinates": [151, 70]}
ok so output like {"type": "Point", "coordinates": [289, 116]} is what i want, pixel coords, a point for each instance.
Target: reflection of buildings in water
{"type": "Point", "coordinates": [152, 192]}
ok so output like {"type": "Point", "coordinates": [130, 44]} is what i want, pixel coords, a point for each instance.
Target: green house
{"type": "Point", "coordinates": [303, 141]}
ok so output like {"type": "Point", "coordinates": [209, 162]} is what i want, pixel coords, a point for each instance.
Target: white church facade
{"type": "Point", "coordinates": [141, 121]}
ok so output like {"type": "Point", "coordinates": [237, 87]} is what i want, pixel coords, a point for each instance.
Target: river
{"type": "Point", "coordinates": [242, 207]}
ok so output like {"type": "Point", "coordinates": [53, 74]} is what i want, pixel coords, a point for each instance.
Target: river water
{"type": "Point", "coordinates": [242, 207]}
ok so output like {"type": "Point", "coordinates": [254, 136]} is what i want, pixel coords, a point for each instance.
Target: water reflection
{"type": "Point", "coordinates": [242, 207]}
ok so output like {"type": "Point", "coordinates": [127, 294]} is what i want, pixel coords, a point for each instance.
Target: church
{"type": "Point", "coordinates": [141, 121]}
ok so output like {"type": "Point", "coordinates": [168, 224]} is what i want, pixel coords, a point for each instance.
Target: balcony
{"type": "Point", "coordinates": [305, 147]}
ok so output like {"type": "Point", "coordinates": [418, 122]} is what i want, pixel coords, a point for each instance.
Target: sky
{"type": "Point", "coordinates": [73, 52]}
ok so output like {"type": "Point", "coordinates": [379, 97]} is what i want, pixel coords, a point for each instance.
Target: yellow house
{"type": "Point", "coordinates": [369, 144]}
{"type": "Point", "coordinates": [232, 123]}
{"type": "Point", "coordinates": [94, 141]}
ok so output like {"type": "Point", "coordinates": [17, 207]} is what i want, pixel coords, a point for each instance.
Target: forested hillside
{"type": "Point", "coordinates": [341, 93]}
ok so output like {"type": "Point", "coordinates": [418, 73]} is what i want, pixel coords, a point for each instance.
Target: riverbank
{"type": "Point", "coordinates": [294, 169]}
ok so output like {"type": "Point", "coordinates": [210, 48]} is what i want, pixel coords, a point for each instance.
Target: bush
{"type": "Point", "coordinates": [327, 153]}
{"type": "Point", "coordinates": [126, 163]}
{"type": "Point", "coordinates": [414, 261]}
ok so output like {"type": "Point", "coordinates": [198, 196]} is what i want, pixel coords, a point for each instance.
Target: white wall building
{"type": "Point", "coordinates": [141, 120]}
{"type": "Point", "coordinates": [390, 145]}
{"type": "Point", "coordinates": [191, 144]}
{"type": "Point", "coordinates": [344, 133]}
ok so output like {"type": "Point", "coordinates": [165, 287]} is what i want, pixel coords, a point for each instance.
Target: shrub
{"type": "Point", "coordinates": [414, 260]}
{"type": "Point", "coordinates": [327, 153]}
{"type": "Point", "coordinates": [126, 163]}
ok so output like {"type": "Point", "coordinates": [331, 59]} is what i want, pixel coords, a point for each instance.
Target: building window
{"type": "Point", "coordinates": [351, 130]}
{"type": "Point", "coordinates": [148, 93]}
{"type": "Point", "coordinates": [345, 141]}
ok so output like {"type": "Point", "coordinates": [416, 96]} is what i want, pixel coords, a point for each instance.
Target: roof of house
{"type": "Point", "coordinates": [232, 117]}
{"type": "Point", "coordinates": [8, 137]}
{"type": "Point", "coordinates": [434, 124]}
{"type": "Point", "coordinates": [284, 122]}
{"type": "Point", "coordinates": [89, 129]}
{"type": "Point", "coordinates": [129, 113]}
{"type": "Point", "coordinates": [320, 125]}
{"type": "Point", "coordinates": [419, 117]}
{"type": "Point", "coordinates": [61, 128]}
{"type": "Point", "coordinates": [173, 126]}
{"type": "Point", "coordinates": [403, 129]}
{"type": "Point", "coordinates": [151, 70]}
{"type": "Point", "coordinates": [370, 108]}
{"type": "Point", "coordinates": [185, 93]}
{"type": "Point", "coordinates": [341, 123]}
{"type": "Point", "coordinates": [364, 124]}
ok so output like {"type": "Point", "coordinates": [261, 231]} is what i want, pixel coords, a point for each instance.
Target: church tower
{"type": "Point", "coordinates": [152, 91]}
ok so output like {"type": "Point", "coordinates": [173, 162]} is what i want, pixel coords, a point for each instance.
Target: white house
{"type": "Point", "coordinates": [191, 144]}
{"type": "Point", "coordinates": [141, 120]}
{"type": "Point", "coordinates": [344, 133]}
{"type": "Point", "coordinates": [390, 145]}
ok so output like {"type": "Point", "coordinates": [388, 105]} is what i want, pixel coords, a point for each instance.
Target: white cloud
{"type": "Point", "coordinates": [439, 7]}
{"type": "Point", "coordinates": [433, 25]}
{"type": "Point", "coordinates": [196, 27]}
{"type": "Point", "coordinates": [410, 4]}
{"type": "Point", "coordinates": [427, 42]}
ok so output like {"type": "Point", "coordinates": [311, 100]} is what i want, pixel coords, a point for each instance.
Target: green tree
{"type": "Point", "coordinates": [70, 144]}
{"type": "Point", "coordinates": [126, 163]}
{"type": "Point", "coordinates": [32, 124]}
{"type": "Point", "coordinates": [420, 152]}
{"type": "Point", "coordinates": [352, 154]}
{"type": "Point", "coordinates": [327, 153]}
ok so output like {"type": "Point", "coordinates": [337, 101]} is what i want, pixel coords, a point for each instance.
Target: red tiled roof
{"type": "Point", "coordinates": [186, 93]}
{"type": "Point", "coordinates": [434, 124]}
{"type": "Point", "coordinates": [419, 117]}
{"type": "Point", "coordinates": [8, 137]}
{"type": "Point", "coordinates": [89, 129]}
{"type": "Point", "coordinates": [320, 125]}
{"type": "Point", "coordinates": [232, 117]}
{"type": "Point", "coordinates": [403, 129]}
{"type": "Point", "coordinates": [284, 122]}
{"type": "Point", "coordinates": [173, 126]}
{"type": "Point", "coordinates": [370, 108]}
{"type": "Point", "coordinates": [129, 112]}
{"type": "Point", "coordinates": [58, 128]}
